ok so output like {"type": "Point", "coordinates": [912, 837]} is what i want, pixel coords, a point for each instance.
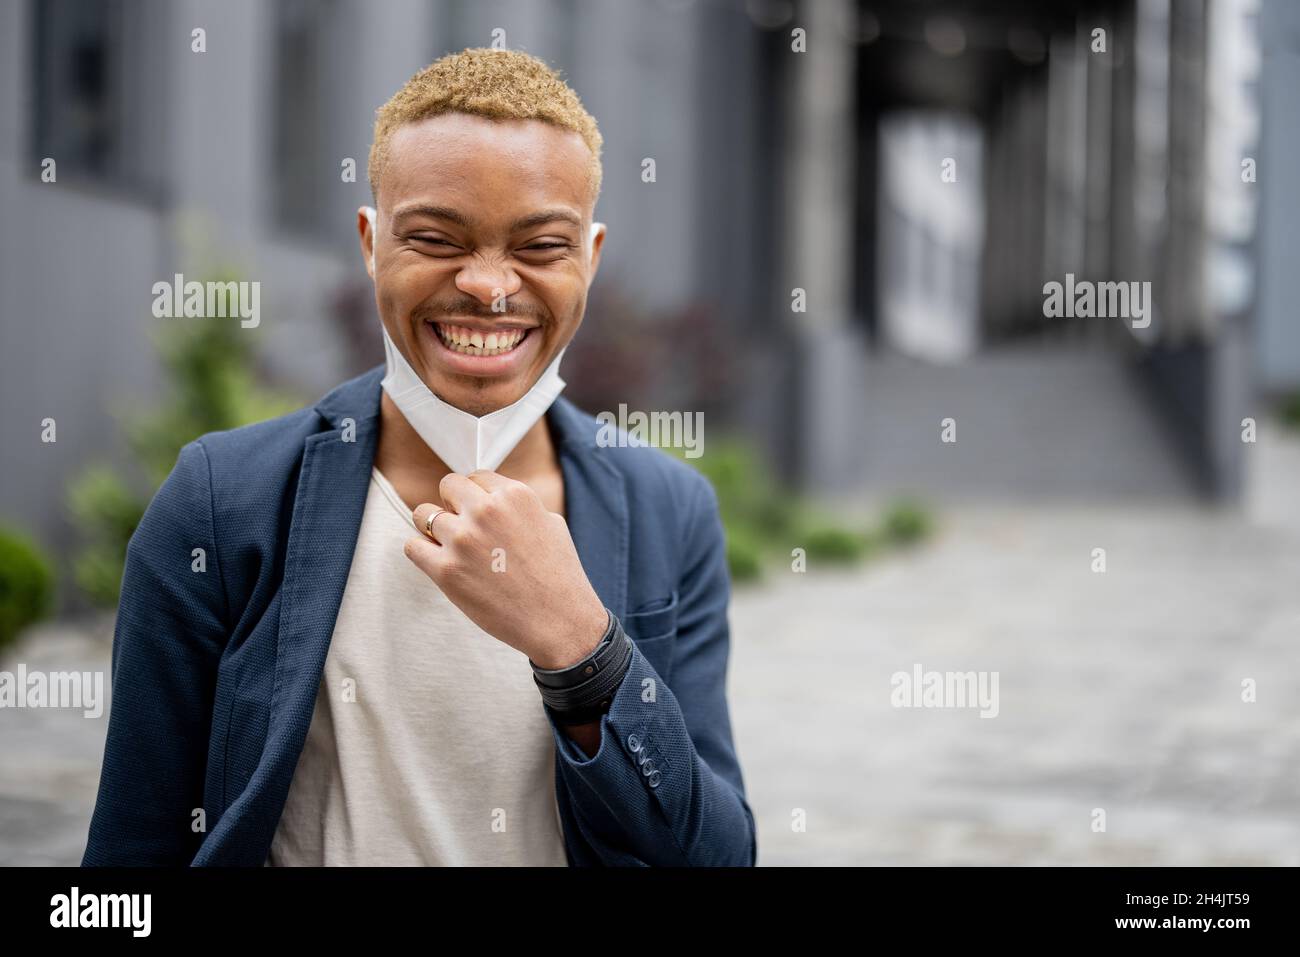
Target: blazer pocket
{"type": "Point", "coordinates": [653, 628]}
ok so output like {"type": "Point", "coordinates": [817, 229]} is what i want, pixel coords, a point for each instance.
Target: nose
{"type": "Point", "coordinates": [487, 282]}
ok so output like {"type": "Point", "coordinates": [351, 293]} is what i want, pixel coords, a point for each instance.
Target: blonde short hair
{"type": "Point", "coordinates": [497, 84]}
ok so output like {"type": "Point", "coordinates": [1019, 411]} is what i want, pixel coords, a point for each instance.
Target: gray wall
{"type": "Point", "coordinates": [1277, 339]}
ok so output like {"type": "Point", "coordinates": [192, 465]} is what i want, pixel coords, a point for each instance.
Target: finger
{"type": "Point", "coordinates": [459, 493]}
{"type": "Point", "coordinates": [490, 481]}
{"type": "Point", "coordinates": [437, 529]}
{"type": "Point", "coordinates": [424, 555]}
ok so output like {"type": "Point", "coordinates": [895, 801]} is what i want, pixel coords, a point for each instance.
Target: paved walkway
{"type": "Point", "coordinates": [49, 759]}
{"type": "Point", "coordinates": [1119, 691]}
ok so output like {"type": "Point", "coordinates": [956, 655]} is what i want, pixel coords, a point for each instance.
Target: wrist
{"type": "Point", "coordinates": [583, 691]}
{"type": "Point", "coordinates": [590, 632]}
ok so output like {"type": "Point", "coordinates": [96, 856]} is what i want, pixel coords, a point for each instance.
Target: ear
{"type": "Point", "coordinates": [367, 216]}
{"type": "Point", "coordinates": [597, 243]}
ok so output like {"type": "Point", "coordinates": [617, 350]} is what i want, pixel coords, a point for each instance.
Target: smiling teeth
{"type": "Point", "coordinates": [469, 342]}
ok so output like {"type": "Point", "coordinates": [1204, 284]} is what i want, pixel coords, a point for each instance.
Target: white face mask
{"type": "Point", "coordinates": [465, 442]}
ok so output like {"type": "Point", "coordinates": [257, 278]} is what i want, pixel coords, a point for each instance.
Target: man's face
{"type": "Point", "coordinates": [475, 212]}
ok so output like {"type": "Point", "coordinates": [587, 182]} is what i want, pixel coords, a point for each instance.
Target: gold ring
{"type": "Point", "coordinates": [428, 522]}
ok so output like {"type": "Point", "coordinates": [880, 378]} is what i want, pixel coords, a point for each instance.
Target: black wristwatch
{"type": "Point", "coordinates": [583, 692]}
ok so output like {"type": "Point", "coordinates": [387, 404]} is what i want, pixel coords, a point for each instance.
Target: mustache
{"type": "Point", "coordinates": [468, 306]}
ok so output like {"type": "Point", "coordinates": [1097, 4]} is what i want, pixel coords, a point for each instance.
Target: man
{"type": "Point", "coordinates": [438, 622]}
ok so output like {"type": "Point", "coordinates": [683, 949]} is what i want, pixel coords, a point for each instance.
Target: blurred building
{"type": "Point", "coordinates": [813, 161]}
{"type": "Point", "coordinates": [1085, 141]}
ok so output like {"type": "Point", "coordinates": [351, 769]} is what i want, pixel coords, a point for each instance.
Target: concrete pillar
{"type": "Point", "coordinates": [819, 253]}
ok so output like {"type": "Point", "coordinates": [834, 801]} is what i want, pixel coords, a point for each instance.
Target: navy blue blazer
{"type": "Point", "coordinates": [215, 672]}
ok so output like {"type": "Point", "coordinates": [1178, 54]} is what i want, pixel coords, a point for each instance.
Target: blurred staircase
{"type": "Point", "coordinates": [1045, 421]}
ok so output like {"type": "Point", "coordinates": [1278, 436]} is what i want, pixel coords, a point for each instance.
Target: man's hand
{"type": "Point", "coordinates": [510, 565]}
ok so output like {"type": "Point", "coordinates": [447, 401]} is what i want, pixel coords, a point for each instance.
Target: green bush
{"type": "Point", "coordinates": [744, 555]}
{"type": "Point", "coordinates": [906, 523]}
{"type": "Point", "coordinates": [754, 513]}
{"type": "Point", "coordinates": [830, 544]}
{"type": "Point", "coordinates": [764, 521]}
{"type": "Point", "coordinates": [1290, 411]}
{"type": "Point", "coordinates": [747, 494]}
{"type": "Point", "coordinates": [212, 386]}
{"type": "Point", "coordinates": [26, 585]}
{"type": "Point", "coordinates": [106, 511]}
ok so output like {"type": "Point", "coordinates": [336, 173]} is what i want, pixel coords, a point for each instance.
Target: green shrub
{"type": "Point", "coordinates": [107, 512]}
{"type": "Point", "coordinates": [764, 521]}
{"type": "Point", "coordinates": [744, 555]}
{"type": "Point", "coordinates": [747, 494]}
{"type": "Point", "coordinates": [754, 514]}
{"type": "Point", "coordinates": [212, 386]}
{"type": "Point", "coordinates": [906, 523]}
{"type": "Point", "coordinates": [1290, 411]}
{"type": "Point", "coordinates": [828, 543]}
{"type": "Point", "coordinates": [26, 585]}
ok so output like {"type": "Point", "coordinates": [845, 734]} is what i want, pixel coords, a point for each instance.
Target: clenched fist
{"type": "Point", "coordinates": [510, 565]}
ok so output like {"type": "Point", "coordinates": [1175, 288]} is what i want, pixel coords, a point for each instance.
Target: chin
{"type": "Point", "coordinates": [480, 401]}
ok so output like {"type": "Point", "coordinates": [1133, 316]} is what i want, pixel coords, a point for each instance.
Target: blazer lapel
{"type": "Point", "coordinates": [332, 485]}
{"type": "Point", "coordinates": [326, 519]}
{"type": "Point", "coordinates": [331, 499]}
{"type": "Point", "coordinates": [595, 505]}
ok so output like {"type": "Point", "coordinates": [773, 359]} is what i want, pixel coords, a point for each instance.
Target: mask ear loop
{"type": "Point", "coordinates": [373, 216]}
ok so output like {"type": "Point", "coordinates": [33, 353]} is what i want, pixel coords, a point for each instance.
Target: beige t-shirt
{"type": "Point", "coordinates": [428, 744]}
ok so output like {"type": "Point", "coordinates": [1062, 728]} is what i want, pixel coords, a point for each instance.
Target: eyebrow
{"type": "Point", "coordinates": [541, 217]}
{"type": "Point", "coordinates": [538, 218]}
{"type": "Point", "coordinates": [437, 212]}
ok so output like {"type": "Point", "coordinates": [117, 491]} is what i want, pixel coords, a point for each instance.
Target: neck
{"type": "Point", "coordinates": [415, 470]}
